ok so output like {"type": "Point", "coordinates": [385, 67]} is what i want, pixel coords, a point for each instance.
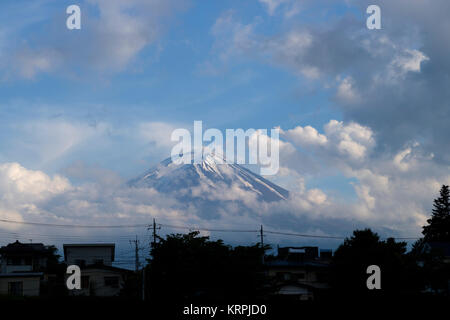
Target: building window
{"type": "Point", "coordinates": [112, 282]}
{"type": "Point", "coordinates": [15, 288]}
{"type": "Point", "coordinates": [84, 282]}
{"type": "Point", "coordinates": [80, 262]}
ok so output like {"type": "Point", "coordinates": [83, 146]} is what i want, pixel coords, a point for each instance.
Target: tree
{"type": "Point", "coordinates": [364, 248]}
{"type": "Point", "coordinates": [189, 266]}
{"type": "Point", "coordinates": [55, 286]}
{"type": "Point", "coordinates": [438, 228]}
{"type": "Point", "coordinates": [428, 251]}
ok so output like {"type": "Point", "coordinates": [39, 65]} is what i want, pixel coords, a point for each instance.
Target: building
{"type": "Point", "coordinates": [22, 268]}
{"type": "Point", "coordinates": [20, 283]}
{"type": "Point", "coordinates": [89, 254]}
{"type": "Point", "coordinates": [98, 276]}
{"type": "Point", "coordinates": [299, 272]}
{"type": "Point", "coordinates": [24, 257]}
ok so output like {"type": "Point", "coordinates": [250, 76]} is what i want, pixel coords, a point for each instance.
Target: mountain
{"type": "Point", "coordinates": [191, 182]}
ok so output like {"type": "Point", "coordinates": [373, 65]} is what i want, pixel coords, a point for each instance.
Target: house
{"type": "Point", "coordinates": [298, 272]}
{"type": "Point", "coordinates": [89, 254]}
{"type": "Point", "coordinates": [98, 276]}
{"type": "Point", "coordinates": [24, 257]}
{"type": "Point", "coordinates": [20, 283]}
{"type": "Point", "coordinates": [22, 267]}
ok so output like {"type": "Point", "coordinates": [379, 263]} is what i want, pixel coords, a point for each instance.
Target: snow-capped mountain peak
{"type": "Point", "coordinates": [214, 172]}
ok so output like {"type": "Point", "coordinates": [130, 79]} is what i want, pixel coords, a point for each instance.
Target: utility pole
{"type": "Point", "coordinates": [153, 245]}
{"type": "Point", "coordinates": [154, 233]}
{"type": "Point", "coordinates": [143, 283]}
{"type": "Point", "coordinates": [136, 252]}
{"type": "Point", "coordinates": [261, 234]}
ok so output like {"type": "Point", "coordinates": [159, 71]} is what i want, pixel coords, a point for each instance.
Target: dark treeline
{"type": "Point", "coordinates": [190, 266]}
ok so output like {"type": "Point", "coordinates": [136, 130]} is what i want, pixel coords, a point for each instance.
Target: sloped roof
{"type": "Point", "coordinates": [24, 248]}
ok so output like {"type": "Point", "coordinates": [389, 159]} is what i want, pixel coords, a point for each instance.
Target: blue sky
{"type": "Point", "coordinates": [354, 105]}
{"type": "Point", "coordinates": [165, 81]}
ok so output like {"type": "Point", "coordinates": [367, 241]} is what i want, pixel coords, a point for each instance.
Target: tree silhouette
{"type": "Point", "coordinates": [190, 266]}
{"type": "Point", "coordinates": [364, 248]}
{"type": "Point", "coordinates": [429, 250]}
{"type": "Point", "coordinates": [438, 228]}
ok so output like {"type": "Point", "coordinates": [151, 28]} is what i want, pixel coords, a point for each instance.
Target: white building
{"type": "Point", "coordinates": [89, 254]}
{"type": "Point", "coordinates": [98, 276]}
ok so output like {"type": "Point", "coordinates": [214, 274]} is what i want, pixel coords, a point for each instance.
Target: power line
{"type": "Point", "coordinates": [304, 235]}
{"type": "Point", "coordinates": [187, 228]}
{"type": "Point", "coordinates": [206, 229]}
{"type": "Point", "coordinates": [74, 225]}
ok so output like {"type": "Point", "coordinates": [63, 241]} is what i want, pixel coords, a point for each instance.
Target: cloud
{"type": "Point", "coordinates": [393, 199]}
{"type": "Point", "coordinates": [49, 140]}
{"type": "Point", "coordinates": [31, 62]}
{"type": "Point", "coordinates": [393, 191]}
{"type": "Point", "coordinates": [52, 143]}
{"type": "Point", "coordinates": [305, 136]}
{"type": "Point", "coordinates": [411, 61]}
{"type": "Point", "coordinates": [22, 191]}
{"type": "Point", "coordinates": [272, 5]}
{"type": "Point", "coordinates": [16, 178]}
{"type": "Point", "coordinates": [351, 139]}
{"type": "Point", "coordinates": [290, 7]}
{"type": "Point", "coordinates": [113, 34]}
{"type": "Point", "coordinates": [157, 133]}
{"type": "Point", "coordinates": [233, 38]}
{"type": "Point", "coordinates": [348, 140]}
{"type": "Point", "coordinates": [346, 91]}
{"type": "Point", "coordinates": [391, 81]}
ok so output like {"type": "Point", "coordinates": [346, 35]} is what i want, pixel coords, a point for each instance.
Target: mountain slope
{"type": "Point", "coordinates": [190, 181]}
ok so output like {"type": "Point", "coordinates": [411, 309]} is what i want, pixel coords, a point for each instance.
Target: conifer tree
{"type": "Point", "coordinates": [438, 228]}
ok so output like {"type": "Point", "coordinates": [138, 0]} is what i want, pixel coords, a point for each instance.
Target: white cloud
{"type": "Point", "coordinates": [232, 38]}
{"type": "Point", "coordinates": [272, 5]}
{"type": "Point", "coordinates": [22, 191]}
{"type": "Point", "coordinates": [351, 140]}
{"type": "Point", "coordinates": [15, 178]}
{"type": "Point", "coordinates": [410, 61]}
{"type": "Point", "coordinates": [49, 140]}
{"type": "Point", "coordinates": [346, 91]}
{"type": "Point", "coordinates": [290, 7]}
{"type": "Point", "coordinates": [393, 191]}
{"type": "Point", "coordinates": [316, 196]}
{"type": "Point", "coordinates": [31, 62]}
{"type": "Point", "coordinates": [305, 136]}
{"type": "Point", "coordinates": [113, 34]}
{"type": "Point", "coordinates": [157, 133]}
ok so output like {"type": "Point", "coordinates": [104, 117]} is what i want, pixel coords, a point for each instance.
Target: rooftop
{"type": "Point", "coordinates": [24, 248]}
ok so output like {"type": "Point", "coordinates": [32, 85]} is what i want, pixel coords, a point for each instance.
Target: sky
{"type": "Point", "coordinates": [363, 114]}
